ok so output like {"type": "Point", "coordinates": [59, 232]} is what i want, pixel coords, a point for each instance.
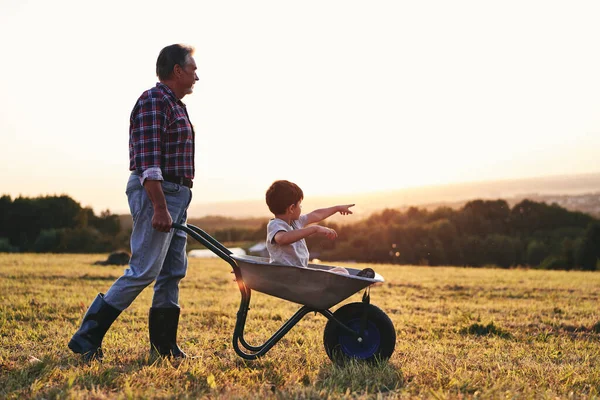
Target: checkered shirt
{"type": "Point", "coordinates": [161, 136]}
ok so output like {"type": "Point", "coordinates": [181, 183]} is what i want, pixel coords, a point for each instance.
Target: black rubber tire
{"type": "Point", "coordinates": [379, 339]}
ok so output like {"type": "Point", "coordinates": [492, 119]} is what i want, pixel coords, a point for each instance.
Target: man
{"type": "Point", "coordinates": [161, 152]}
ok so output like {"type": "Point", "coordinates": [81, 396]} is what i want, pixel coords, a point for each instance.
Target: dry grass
{"type": "Point", "coordinates": [484, 333]}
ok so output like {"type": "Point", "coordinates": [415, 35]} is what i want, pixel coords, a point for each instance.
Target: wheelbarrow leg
{"type": "Point", "coordinates": [258, 351]}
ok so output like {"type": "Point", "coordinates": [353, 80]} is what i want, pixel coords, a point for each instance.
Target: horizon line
{"type": "Point", "coordinates": [429, 186]}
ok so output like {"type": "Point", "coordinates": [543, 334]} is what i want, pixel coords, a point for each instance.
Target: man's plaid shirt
{"type": "Point", "coordinates": [161, 136]}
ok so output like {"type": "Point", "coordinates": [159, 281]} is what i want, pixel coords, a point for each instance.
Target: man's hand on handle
{"type": "Point", "coordinates": [161, 220]}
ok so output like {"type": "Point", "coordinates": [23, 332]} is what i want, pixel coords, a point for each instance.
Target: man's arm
{"type": "Point", "coordinates": [282, 238]}
{"type": "Point", "coordinates": [161, 219]}
{"type": "Point", "coordinates": [322, 213]}
{"type": "Point", "coordinates": [146, 141]}
{"type": "Point", "coordinates": [148, 126]}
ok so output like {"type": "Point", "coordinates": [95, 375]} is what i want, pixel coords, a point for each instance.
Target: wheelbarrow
{"type": "Point", "coordinates": [357, 330]}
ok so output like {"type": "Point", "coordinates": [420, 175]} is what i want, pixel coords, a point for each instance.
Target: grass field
{"type": "Point", "coordinates": [461, 333]}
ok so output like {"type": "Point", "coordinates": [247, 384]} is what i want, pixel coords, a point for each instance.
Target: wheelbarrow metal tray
{"type": "Point", "coordinates": [313, 286]}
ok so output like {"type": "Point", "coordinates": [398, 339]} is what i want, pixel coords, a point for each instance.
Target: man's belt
{"type": "Point", "coordinates": [179, 180]}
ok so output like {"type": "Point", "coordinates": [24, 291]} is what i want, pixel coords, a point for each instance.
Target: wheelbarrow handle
{"type": "Point", "coordinates": [208, 241]}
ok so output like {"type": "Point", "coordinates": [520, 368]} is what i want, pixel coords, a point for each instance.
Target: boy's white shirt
{"type": "Point", "coordinates": [290, 254]}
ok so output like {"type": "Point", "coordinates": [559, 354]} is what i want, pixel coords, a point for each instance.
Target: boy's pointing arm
{"type": "Point", "coordinates": [322, 213]}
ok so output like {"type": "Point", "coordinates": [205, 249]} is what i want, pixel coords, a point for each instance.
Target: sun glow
{"type": "Point", "coordinates": [370, 97]}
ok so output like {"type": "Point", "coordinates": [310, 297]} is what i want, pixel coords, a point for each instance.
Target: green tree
{"type": "Point", "coordinates": [589, 250]}
{"type": "Point", "coordinates": [536, 252]}
{"type": "Point", "coordinates": [500, 250]}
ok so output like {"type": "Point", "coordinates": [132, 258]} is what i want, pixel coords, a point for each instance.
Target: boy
{"type": "Point", "coordinates": [286, 232]}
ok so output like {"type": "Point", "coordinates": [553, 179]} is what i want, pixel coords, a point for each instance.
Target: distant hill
{"type": "Point", "coordinates": [574, 192]}
{"type": "Point", "coordinates": [588, 203]}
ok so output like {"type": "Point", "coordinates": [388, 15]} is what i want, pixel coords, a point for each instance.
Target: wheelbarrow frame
{"type": "Point", "coordinates": [250, 352]}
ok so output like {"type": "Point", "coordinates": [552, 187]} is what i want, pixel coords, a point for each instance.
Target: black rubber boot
{"type": "Point", "coordinates": [163, 323]}
{"type": "Point", "coordinates": [88, 339]}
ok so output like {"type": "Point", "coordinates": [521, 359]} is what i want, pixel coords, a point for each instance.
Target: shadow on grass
{"type": "Point", "coordinates": [485, 330]}
{"type": "Point", "coordinates": [354, 377]}
{"type": "Point", "coordinates": [360, 377]}
{"type": "Point", "coordinates": [68, 376]}
{"type": "Point", "coordinates": [53, 376]}
{"type": "Point", "coordinates": [33, 378]}
{"type": "Point", "coordinates": [15, 379]}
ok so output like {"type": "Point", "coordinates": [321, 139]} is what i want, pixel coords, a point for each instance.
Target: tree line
{"type": "Point", "coordinates": [57, 224]}
{"type": "Point", "coordinates": [481, 233]}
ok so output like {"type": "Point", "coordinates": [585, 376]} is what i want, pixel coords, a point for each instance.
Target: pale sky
{"type": "Point", "coordinates": [340, 97]}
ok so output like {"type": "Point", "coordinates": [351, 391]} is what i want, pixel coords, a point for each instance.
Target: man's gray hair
{"type": "Point", "coordinates": [169, 57]}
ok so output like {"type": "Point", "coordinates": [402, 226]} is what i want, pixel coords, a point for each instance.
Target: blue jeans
{"type": "Point", "coordinates": [155, 256]}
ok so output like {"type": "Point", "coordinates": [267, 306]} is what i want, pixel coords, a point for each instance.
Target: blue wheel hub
{"type": "Point", "coordinates": [371, 340]}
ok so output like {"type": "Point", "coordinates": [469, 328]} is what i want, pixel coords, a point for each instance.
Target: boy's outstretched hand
{"type": "Point", "coordinates": [345, 209]}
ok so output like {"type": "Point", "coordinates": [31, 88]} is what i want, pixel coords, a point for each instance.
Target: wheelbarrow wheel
{"type": "Point", "coordinates": [378, 337]}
